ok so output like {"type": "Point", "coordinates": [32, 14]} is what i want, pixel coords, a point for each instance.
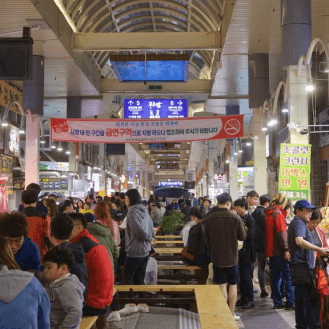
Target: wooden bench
{"type": "Point", "coordinates": [169, 236]}
{"type": "Point", "coordinates": [167, 250]}
{"type": "Point", "coordinates": [213, 310]}
{"type": "Point", "coordinates": [88, 321]}
{"type": "Point", "coordinates": [173, 242]}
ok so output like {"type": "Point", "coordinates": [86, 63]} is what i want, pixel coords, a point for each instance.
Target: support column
{"type": "Point", "coordinates": [102, 174]}
{"type": "Point", "coordinates": [233, 172]}
{"type": "Point", "coordinates": [32, 151]}
{"type": "Point", "coordinates": [134, 174]}
{"type": "Point", "coordinates": [296, 23]}
{"type": "Point", "coordinates": [33, 90]}
{"type": "Point", "coordinates": [72, 156]}
{"type": "Point", "coordinates": [298, 104]}
{"type": "Point", "coordinates": [33, 95]}
{"type": "Point", "coordinates": [258, 65]}
{"type": "Point", "coordinates": [260, 162]}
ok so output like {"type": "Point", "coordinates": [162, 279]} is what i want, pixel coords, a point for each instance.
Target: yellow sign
{"type": "Point", "coordinates": [9, 94]}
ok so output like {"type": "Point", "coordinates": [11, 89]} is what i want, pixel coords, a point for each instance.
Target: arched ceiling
{"type": "Point", "coordinates": [149, 16]}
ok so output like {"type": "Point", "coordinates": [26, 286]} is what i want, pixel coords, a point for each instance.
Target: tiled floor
{"type": "Point", "coordinates": [263, 316]}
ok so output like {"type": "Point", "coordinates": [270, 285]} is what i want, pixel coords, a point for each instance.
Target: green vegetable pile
{"type": "Point", "coordinates": [173, 222]}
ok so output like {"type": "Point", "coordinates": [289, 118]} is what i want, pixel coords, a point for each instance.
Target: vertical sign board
{"type": "Point", "coordinates": [295, 163]}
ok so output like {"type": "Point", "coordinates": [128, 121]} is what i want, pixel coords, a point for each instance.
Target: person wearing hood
{"type": "Point", "coordinates": [65, 291]}
{"type": "Point", "coordinates": [259, 216]}
{"type": "Point", "coordinates": [16, 288]}
{"type": "Point", "coordinates": [277, 249]}
{"type": "Point", "coordinates": [61, 228]}
{"type": "Point", "coordinates": [14, 228]}
{"type": "Point", "coordinates": [139, 235]}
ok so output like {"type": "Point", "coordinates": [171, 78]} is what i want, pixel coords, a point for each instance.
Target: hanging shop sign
{"type": "Point", "coordinates": [53, 166]}
{"type": "Point", "coordinates": [150, 130]}
{"type": "Point", "coordinates": [155, 108]}
{"type": "Point", "coordinates": [171, 184]}
{"type": "Point", "coordinates": [53, 183]}
{"type": "Point", "coordinates": [295, 161]}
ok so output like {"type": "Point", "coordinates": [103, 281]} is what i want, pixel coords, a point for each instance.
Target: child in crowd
{"type": "Point", "coordinates": [65, 291]}
{"type": "Point", "coordinates": [86, 209]}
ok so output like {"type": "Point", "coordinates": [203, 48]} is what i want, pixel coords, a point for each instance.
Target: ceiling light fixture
{"type": "Point", "coordinates": [240, 151]}
{"type": "Point", "coordinates": [248, 144]}
{"type": "Point", "coordinates": [309, 88]}
{"type": "Point", "coordinates": [285, 110]}
{"type": "Point", "coordinates": [272, 122]}
{"type": "Point", "coordinates": [60, 147]}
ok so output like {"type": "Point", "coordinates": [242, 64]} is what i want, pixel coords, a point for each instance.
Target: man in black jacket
{"type": "Point", "coordinates": [259, 216]}
{"type": "Point", "coordinates": [40, 206]}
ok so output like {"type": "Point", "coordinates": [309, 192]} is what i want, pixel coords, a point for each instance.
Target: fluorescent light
{"type": "Point", "coordinates": [240, 151]}
{"type": "Point", "coordinates": [264, 128]}
{"type": "Point", "coordinates": [248, 144]}
{"type": "Point", "coordinates": [95, 168]}
{"type": "Point", "coordinates": [4, 122]}
{"type": "Point", "coordinates": [42, 140]}
{"type": "Point", "coordinates": [272, 122]}
{"type": "Point", "coordinates": [235, 153]}
{"type": "Point", "coordinates": [60, 147]}
{"type": "Point", "coordinates": [21, 131]}
{"type": "Point", "coordinates": [284, 110]}
{"type": "Point", "coordinates": [69, 20]}
{"type": "Point", "coordinates": [309, 88]}
{"type": "Point", "coordinates": [68, 152]}
{"type": "Point", "coordinates": [227, 161]}
{"type": "Point", "coordinates": [53, 146]}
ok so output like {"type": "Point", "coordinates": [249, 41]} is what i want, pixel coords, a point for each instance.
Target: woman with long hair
{"type": "Point", "coordinates": [52, 207]}
{"type": "Point", "coordinates": [103, 212]}
{"type": "Point", "coordinates": [18, 287]}
{"type": "Point", "coordinates": [80, 205]}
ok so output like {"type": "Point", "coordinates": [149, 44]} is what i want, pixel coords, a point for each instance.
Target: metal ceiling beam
{"type": "Point", "coordinates": [229, 97]}
{"type": "Point", "coordinates": [112, 86]}
{"type": "Point", "coordinates": [146, 41]}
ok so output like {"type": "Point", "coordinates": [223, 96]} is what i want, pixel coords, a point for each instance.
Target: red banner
{"type": "Point", "coordinates": [147, 131]}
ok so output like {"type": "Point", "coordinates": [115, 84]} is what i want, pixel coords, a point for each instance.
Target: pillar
{"type": "Point", "coordinates": [33, 90]}
{"type": "Point", "coordinates": [32, 151]}
{"type": "Point", "coordinates": [298, 104]}
{"type": "Point", "coordinates": [102, 174]}
{"type": "Point", "coordinates": [296, 24]}
{"type": "Point", "coordinates": [260, 162]}
{"type": "Point", "coordinates": [134, 174]}
{"type": "Point", "coordinates": [233, 172]}
{"type": "Point", "coordinates": [258, 70]}
{"type": "Point", "coordinates": [33, 95]}
{"type": "Point", "coordinates": [72, 156]}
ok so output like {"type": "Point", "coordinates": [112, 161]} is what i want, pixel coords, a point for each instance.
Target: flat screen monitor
{"type": "Point", "coordinates": [151, 71]}
{"type": "Point", "coordinates": [155, 108]}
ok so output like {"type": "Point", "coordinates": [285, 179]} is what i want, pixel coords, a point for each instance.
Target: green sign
{"type": "Point", "coordinates": [295, 163]}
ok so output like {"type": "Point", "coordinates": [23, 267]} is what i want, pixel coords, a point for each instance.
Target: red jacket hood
{"type": "Point", "coordinates": [82, 234]}
{"type": "Point", "coordinates": [271, 209]}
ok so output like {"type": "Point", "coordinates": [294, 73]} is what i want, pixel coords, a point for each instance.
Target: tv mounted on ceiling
{"type": "Point", "coordinates": [16, 57]}
{"type": "Point", "coordinates": [150, 68]}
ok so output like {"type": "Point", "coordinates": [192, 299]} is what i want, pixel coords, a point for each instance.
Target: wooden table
{"type": "Point", "coordinates": [213, 310]}
{"type": "Point", "coordinates": [167, 250]}
{"type": "Point", "coordinates": [168, 237]}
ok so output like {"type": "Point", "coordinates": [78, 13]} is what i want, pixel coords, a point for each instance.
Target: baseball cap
{"type": "Point", "coordinates": [304, 204]}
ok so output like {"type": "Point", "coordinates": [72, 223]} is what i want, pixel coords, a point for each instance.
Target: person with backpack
{"type": "Point", "coordinates": [61, 228]}
{"type": "Point", "coordinates": [276, 247]}
{"type": "Point", "coordinates": [196, 243]}
{"type": "Point", "coordinates": [100, 273]}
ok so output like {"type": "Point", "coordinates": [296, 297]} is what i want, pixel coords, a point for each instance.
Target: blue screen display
{"type": "Point", "coordinates": [155, 108]}
{"type": "Point", "coordinates": [155, 71]}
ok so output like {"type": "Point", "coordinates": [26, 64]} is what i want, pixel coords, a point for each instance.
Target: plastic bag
{"type": "Point", "coordinates": [151, 273]}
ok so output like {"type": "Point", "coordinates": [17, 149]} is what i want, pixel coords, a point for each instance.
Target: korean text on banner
{"type": "Point", "coordinates": [147, 130]}
{"type": "Point", "coordinates": [295, 162]}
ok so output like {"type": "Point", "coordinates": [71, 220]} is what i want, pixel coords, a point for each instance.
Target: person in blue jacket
{"type": "Point", "coordinates": [13, 227]}
{"type": "Point", "coordinates": [23, 301]}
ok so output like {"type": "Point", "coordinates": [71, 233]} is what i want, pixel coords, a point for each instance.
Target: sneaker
{"type": "Point", "coordinates": [289, 307]}
{"type": "Point", "coordinates": [114, 317]}
{"type": "Point", "coordinates": [143, 308]}
{"type": "Point", "coordinates": [278, 307]}
{"type": "Point", "coordinates": [128, 309]}
{"type": "Point", "coordinates": [264, 294]}
{"type": "Point", "coordinates": [236, 317]}
{"type": "Point", "coordinates": [240, 302]}
{"type": "Point", "coordinates": [248, 306]}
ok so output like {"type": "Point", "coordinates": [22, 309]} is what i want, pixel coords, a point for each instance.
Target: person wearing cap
{"type": "Point", "coordinates": [276, 248]}
{"type": "Point", "coordinates": [301, 251]}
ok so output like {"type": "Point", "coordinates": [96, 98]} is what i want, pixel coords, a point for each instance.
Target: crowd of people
{"type": "Point", "coordinates": [64, 258]}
